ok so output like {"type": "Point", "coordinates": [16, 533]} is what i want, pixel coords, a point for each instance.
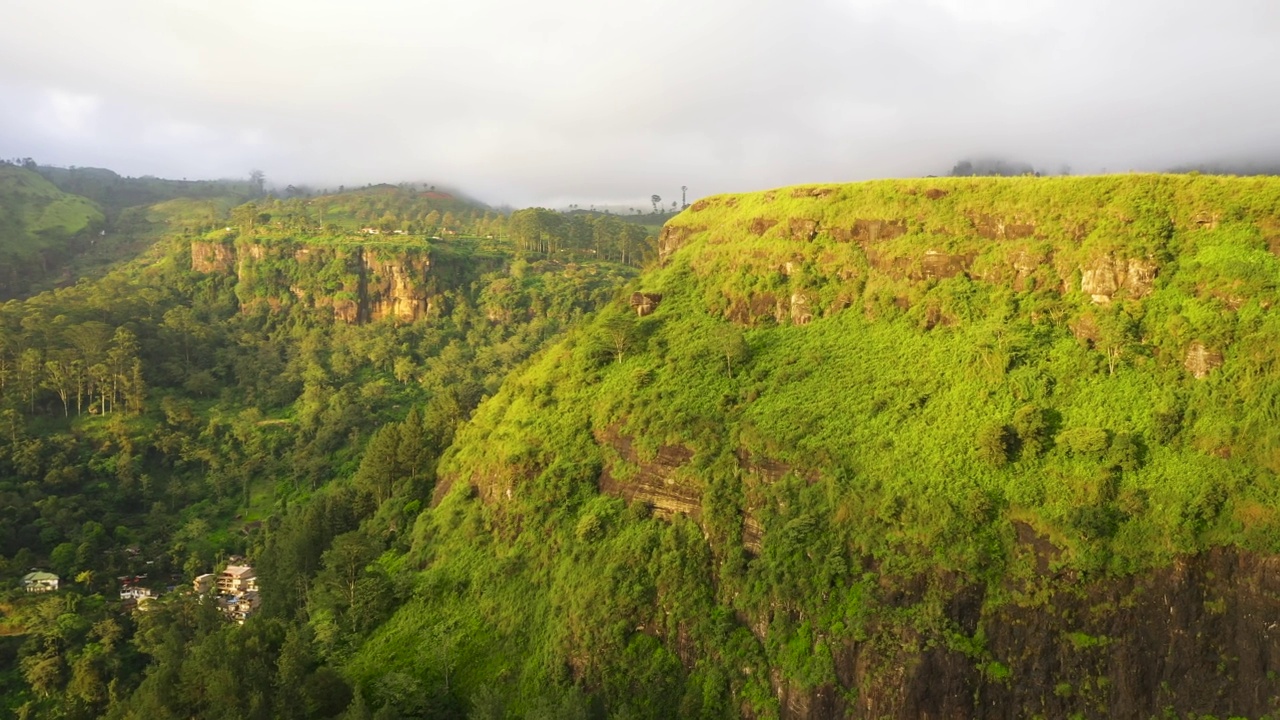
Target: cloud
{"type": "Point", "coordinates": [528, 102]}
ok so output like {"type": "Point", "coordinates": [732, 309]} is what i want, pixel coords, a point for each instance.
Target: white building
{"type": "Point", "coordinates": [39, 581]}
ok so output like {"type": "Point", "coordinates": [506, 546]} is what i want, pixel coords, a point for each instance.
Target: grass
{"type": "Point", "coordinates": [35, 216]}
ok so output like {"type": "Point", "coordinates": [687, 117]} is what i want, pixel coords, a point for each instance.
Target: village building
{"type": "Point", "coordinates": [39, 581]}
{"type": "Point", "coordinates": [136, 593]}
{"type": "Point", "coordinates": [203, 583]}
{"type": "Point", "coordinates": [131, 588]}
{"type": "Point", "coordinates": [237, 579]}
{"type": "Point", "coordinates": [236, 589]}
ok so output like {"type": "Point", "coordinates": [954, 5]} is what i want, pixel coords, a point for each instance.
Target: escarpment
{"type": "Point", "coordinates": [938, 448]}
{"type": "Point", "coordinates": [357, 284]}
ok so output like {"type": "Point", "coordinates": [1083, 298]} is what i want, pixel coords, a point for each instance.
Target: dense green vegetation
{"type": "Point", "coordinates": [535, 502]}
{"type": "Point", "coordinates": [860, 422]}
{"type": "Point", "coordinates": [153, 421]}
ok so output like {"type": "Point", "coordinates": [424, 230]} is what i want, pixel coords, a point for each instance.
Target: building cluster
{"type": "Point", "coordinates": [236, 589]}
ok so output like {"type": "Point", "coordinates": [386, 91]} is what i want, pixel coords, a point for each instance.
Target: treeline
{"type": "Point", "coordinates": [86, 366]}
{"type": "Point", "coordinates": [603, 237]}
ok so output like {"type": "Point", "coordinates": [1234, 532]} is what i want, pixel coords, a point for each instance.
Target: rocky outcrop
{"type": "Point", "coordinates": [990, 227]}
{"type": "Point", "coordinates": [802, 229]}
{"type": "Point", "coordinates": [397, 287]}
{"type": "Point", "coordinates": [866, 232]}
{"type": "Point", "coordinates": [1201, 635]}
{"type": "Point", "coordinates": [937, 265]}
{"type": "Point", "coordinates": [645, 303]}
{"type": "Point", "coordinates": [653, 481]}
{"type": "Point", "coordinates": [1201, 361]}
{"type": "Point", "coordinates": [672, 238]}
{"type": "Point", "coordinates": [760, 225]}
{"type": "Point", "coordinates": [801, 312]}
{"type": "Point", "coordinates": [211, 257]}
{"type": "Point", "coordinates": [1107, 276]}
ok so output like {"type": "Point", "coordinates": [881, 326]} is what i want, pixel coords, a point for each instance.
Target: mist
{"type": "Point", "coordinates": [574, 101]}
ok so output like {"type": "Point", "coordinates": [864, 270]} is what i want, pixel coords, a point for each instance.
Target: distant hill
{"type": "Point", "coordinates": [40, 226]}
{"type": "Point", "coordinates": [115, 192]}
{"type": "Point", "coordinates": [1267, 166]}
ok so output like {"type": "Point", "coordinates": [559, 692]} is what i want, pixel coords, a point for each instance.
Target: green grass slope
{"type": "Point", "coordinates": [35, 216]}
{"type": "Point", "coordinates": [40, 226]}
{"type": "Point", "coordinates": [841, 387]}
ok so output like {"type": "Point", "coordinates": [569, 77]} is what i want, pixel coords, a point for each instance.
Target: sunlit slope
{"type": "Point", "coordinates": [845, 440]}
{"type": "Point", "coordinates": [1095, 354]}
{"type": "Point", "coordinates": [35, 216]}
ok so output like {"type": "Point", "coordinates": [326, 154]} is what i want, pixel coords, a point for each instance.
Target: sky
{"type": "Point", "coordinates": [597, 101]}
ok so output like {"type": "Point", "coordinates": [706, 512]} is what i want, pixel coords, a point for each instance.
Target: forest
{"type": "Point", "coordinates": [811, 452]}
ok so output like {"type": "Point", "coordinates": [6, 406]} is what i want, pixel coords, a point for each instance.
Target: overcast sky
{"type": "Point", "coordinates": [597, 100]}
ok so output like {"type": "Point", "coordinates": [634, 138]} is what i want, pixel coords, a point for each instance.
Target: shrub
{"type": "Point", "coordinates": [1084, 440]}
{"type": "Point", "coordinates": [1032, 429]}
{"type": "Point", "coordinates": [994, 444]}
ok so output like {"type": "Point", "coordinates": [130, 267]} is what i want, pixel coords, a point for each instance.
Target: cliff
{"type": "Point", "coordinates": [924, 448]}
{"type": "Point", "coordinates": [358, 284]}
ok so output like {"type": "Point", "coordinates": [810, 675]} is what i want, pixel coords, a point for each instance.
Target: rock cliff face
{"type": "Point", "coordinates": [652, 482]}
{"type": "Point", "coordinates": [1201, 636]}
{"type": "Point", "coordinates": [1106, 277]}
{"type": "Point", "coordinates": [357, 284]}
{"type": "Point", "coordinates": [207, 257]}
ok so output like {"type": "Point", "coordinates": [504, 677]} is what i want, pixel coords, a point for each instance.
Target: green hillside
{"type": "Point", "coordinates": [36, 217]}
{"type": "Point", "coordinates": [41, 227]}
{"type": "Point", "coordinates": [847, 389]}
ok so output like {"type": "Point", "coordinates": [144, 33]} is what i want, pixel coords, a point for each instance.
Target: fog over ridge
{"type": "Point", "coordinates": [567, 99]}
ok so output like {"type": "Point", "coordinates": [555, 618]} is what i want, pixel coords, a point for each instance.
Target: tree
{"type": "Point", "coordinates": [257, 183]}
{"type": "Point", "coordinates": [378, 467]}
{"type": "Point", "coordinates": [344, 564]}
{"type": "Point", "coordinates": [619, 331]}
{"type": "Point", "coordinates": [1117, 333]}
{"type": "Point", "coordinates": [125, 370]}
{"type": "Point", "coordinates": [30, 374]}
{"type": "Point", "coordinates": [732, 345]}
{"type": "Point", "coordinates": [1032, 429]}
{"type": "Point", "coordinates": [655, 199]}
{"type": "Point", "coordinates": [184, 327]}
{"type": "Point", "coordinates": [994, 445]}
{"type": "Point", "coordinates": [59, 377]}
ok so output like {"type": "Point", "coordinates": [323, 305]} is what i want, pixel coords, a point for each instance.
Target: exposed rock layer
{"type": "Point", "coordinates": [357, 284]}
